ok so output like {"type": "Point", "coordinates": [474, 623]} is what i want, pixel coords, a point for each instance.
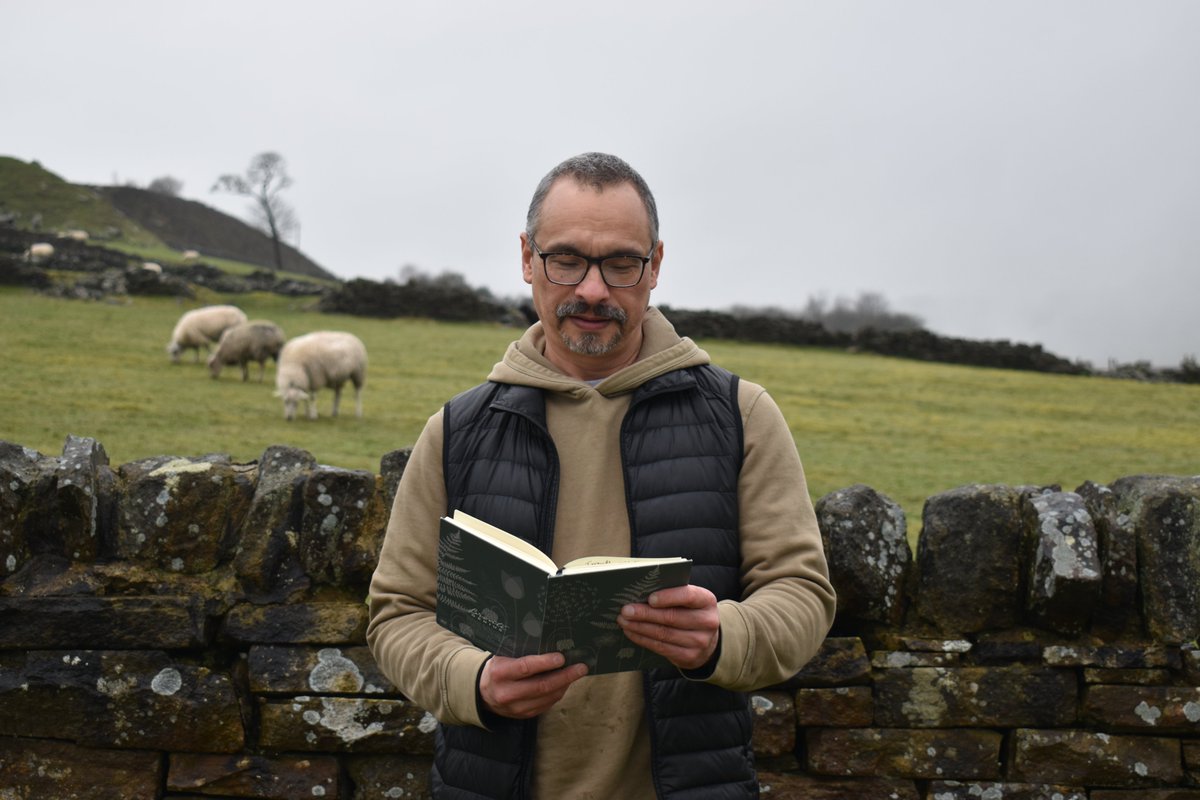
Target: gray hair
{"type": "Point", "coordinates": [599, 171]}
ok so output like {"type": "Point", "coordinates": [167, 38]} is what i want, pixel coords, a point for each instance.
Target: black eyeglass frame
{"type": "Point", "coordinates": [599, 262]}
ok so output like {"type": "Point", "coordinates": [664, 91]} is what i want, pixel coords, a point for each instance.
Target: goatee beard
{"type": "Point", "coordinates": [590, 344]}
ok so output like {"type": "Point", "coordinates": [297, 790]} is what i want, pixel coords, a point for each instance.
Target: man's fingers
{"type": "Point", "coordinates": [525, 687]}
{"type": "Point", "coordinates": [686, 596]}
{"type": "Point", "coordinates": [520, 668]}
{"type": "Point", "coordinates": [682, 624]}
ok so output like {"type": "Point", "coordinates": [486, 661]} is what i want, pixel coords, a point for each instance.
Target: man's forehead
{"type": "Point", "coordinates": [569, 198]}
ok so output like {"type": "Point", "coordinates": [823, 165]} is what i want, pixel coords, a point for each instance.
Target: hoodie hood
{"type": "Point", "coordinates": [663, 350]}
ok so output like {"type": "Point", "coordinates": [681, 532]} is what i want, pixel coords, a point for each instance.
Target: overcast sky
{"type": "Point", "coordinates": [1022, 170]}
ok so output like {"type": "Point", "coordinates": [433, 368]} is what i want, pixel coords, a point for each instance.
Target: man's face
{"type": "Point", "coordinates": [592, 330]}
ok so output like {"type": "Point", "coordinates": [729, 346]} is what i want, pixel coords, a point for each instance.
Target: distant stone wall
{"type": "Point", "coordinates": [192, 627]}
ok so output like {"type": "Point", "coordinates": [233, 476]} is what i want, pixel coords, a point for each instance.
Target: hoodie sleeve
{"type": "Point", "coordinates": [787, 603]}
{"type": "Point", "coordinates": [431, 666]}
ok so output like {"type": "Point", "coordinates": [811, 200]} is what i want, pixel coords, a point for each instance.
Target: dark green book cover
{"type": "Point", "coordinates": [503, 595]}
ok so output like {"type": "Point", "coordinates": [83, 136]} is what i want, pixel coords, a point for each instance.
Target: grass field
{"type": "Point", "coordinates": [907, 429]}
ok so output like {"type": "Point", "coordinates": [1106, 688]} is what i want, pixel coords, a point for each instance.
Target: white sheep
{"type": "Point", "coordinates": [151, 266]}
{"type": "Point", "coordinates": [39, 252]}
{"type": "Point", "coordinates": [190, 256]}
{"type": "Point", "coordinates": [74, 234]}
{"type": "Point", "coordinates": [251, 341]}
{"type": "Point", "coordinates": [314, 361]}
{"type": "Point", "coordinates": [202, 327]}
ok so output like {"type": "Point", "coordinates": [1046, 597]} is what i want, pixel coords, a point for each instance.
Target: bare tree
{"type": "Point", "coordinates": [264, 180]}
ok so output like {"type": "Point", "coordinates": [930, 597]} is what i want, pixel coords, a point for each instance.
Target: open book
{"type": "Point", "coordinates": [506, 596]}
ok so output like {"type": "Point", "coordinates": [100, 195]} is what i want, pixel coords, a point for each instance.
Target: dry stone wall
{"type": "Point", "coordinates": [192, 627]}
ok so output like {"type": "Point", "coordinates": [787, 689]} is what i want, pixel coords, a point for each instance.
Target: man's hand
{"type": "Point", "coordinates": [521, 688]}
{"type": "Point", "coordinates": [681, 623]}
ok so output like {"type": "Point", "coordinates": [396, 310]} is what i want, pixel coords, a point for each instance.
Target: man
{"type": "Point", "coordinates": [602, 432]}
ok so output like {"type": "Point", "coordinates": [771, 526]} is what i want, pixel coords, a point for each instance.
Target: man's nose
{"type": "Point", "coordinates": [592, 285]}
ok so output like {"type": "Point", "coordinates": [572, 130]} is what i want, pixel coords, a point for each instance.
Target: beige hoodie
{"type": "Point", "coordinates": [594, 743]}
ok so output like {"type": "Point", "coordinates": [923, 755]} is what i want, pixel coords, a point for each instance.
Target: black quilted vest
{"type": "Point", "coordinates": [681, 450]}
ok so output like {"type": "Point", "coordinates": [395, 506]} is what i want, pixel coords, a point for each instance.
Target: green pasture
{"type": "Point", "coordinates": [908, 429]}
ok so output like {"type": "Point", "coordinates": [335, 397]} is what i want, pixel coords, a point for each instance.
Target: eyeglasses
{"type": "Point", "coordinates": [569, 269]}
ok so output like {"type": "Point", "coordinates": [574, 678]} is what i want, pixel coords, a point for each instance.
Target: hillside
{"type": "Point", "coordinates": [33, 198]}
{"type": "Point", "coordinates": [190, 225]}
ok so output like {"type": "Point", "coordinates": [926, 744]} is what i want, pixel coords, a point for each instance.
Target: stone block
{"type": "Point", "coordinates": [994, 697]}
{"type": "Point", "coordinates": [960, 594]}
{"type": "Point", "coordinates": [26, 485]}
{"type": "Point", "coordinates": [389, 777]}
{"type": "Point", "coordinates": [341, 527]}
{"type": "Point", "coordinates": [1062, 551]}
{"type": "Point", "coordinates": [1110, 655]}
{"type": "Point", "coordinates": [842, 707]}
{"type": "Point", "coordinates": [903, 659]}
{"type": "Point", "coordinates": [1190, 657]}
{"type": "Point", "coordinates": [786, 786]}
{"type": "Point", "coordinates": [1094, 759]}
{"type": "Point", "coordinates": [1146, 794]}
{"type": "Point", "coordinates": [100, 622]}
{"type": "Point", "coordinates": [1165, 512]}
{"type": "Point", "coordinates": [910, 643]}
{"type": "Point", "coordinates": [1118, 553]}
{"type": "Point", "coordinates": [252, 776]}
{"type": "Point", "coordinates": [1138, 709]}
{"type": "Point", "coordinates": [180, 514]}
{"type": "Point", "coordinates": [266, 559]}
{"type": "Point", "coordinates": [81, 498]}
{"type": "Point", "coordinates": [391, 470]}
{"type": "Point", "coordinates": [304, 670]}
{"type": "Point", "coordinates": [1127, 677]}
{"type": "Point", "coordinates": [774, 723]}
{"type": "Point", "coordinates": [333, 623]}
{"type": "Point", "coordinates": [943, 754]}
{"type": "Point", "coordinates": [345, 725]}
{"type": "Point", "coordinates": [1191, 761]}
{"type": "Point", "coordinates": [866, 544]}
{"type": "Point", "coordinates": [39, 769]}
{"type": "Point", "coordinates": [840, 661]}
{"type": "Point", "coordinates": [1014, 645]}
{"type": "Point", "coordinates": [957, 790]}
{"type": "Point", "coordinates": [123, 699]}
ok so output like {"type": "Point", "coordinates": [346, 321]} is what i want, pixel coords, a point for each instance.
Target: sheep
{"type": "Point", "coordinates": [190, 256]}
{"type": "Point", "coordinates": [150, 266]}
{"type": "Point", "coordinates": [201, 327]}
{"type": "Point", "coordinates": [251, 341]}
{"type": "Point", "coordinates": [314, 361]}
{"type": "Point", "coordinates": [39, 252]}
{"type": "Point", "coordinates": [74, 234]}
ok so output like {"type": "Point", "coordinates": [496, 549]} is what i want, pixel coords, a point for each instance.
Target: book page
{"type": "Point", "coordinates": [591, 563]}
{"type": "Point", "coordinates": [514, 544]}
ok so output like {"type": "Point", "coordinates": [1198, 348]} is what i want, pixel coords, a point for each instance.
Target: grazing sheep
{"type": "Point", "coordinates": [150, 266]}
{"type": "Point", "coordinates": [202, 327]}
{"type": "Point", "coordinates": [251, 341]}
{"type": "Point", "coordinates": [74, 234]}
{"type": "Point", "coordinates": [39, 252]}
{"type": "Point", "coordinates": [190, 256]}
{"type": "Point", "coordinates": [314, 361]}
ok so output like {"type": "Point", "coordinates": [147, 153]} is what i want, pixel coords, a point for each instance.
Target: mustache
{"type": "Point", "coordinates": [578, 307]}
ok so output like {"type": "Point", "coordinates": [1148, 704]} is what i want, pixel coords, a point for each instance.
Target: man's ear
{"type": "Point", "coordinates": [656, 258]}
{"type": "Point", "coordinates": [526, 258]}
